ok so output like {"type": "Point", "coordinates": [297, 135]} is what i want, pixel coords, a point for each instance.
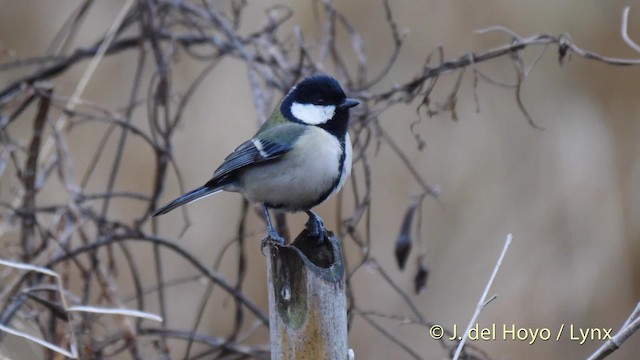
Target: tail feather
{"type": "Point", "coordinates": [191, 196]}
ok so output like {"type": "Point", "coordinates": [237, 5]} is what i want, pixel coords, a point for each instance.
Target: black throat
{"type": "Point", "coordinates": [338, 125]}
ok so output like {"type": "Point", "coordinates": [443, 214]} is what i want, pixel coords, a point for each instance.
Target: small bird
{"type": "Point", "coordinates": [298, 158]}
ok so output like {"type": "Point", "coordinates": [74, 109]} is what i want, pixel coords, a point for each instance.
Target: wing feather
{"type": "Point", "coordinates": [271, 144]}
{"type": "Point", "coordinates": [250, 152]}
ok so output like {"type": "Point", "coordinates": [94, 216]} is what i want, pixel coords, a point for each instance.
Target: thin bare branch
{"type": "Point", "coordinates": [624, 30]}
{"type": "Point", "coordinates": [483, 298]}
{"type": "Point", "coordinates": [631, 326]}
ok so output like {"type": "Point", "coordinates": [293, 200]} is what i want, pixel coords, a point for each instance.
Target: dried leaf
{"type": "Point", "coordinates": [420, 280]}
{"type": "Point", "coordinates": [403, 248]}
{"type": "Point", "coordinates": [403, 242]}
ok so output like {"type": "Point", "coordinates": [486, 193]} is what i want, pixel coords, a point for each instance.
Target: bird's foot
{"type": "Point", "coordinates": [315, 226]}
{"type": "Point", "coordinates": [272, 238]}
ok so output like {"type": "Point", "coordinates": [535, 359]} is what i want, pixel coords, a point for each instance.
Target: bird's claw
{"type": "Point", "coordinates": [272, 238]}
{"type": "Point", "coordinates": [315, 226]}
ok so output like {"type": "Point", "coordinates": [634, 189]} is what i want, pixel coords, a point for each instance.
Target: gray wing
{"type": "Point", "coordinates": [269, 145]}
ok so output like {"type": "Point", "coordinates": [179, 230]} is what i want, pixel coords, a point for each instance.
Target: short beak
{"type": "Point", "coordinates": [348, 103]}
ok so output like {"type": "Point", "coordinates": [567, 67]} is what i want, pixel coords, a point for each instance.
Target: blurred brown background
{"type": "Point", "coordinates": [569, 193]}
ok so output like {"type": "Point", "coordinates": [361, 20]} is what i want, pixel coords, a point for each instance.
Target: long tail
{"type": "Point", "coordinates": [191, 196]}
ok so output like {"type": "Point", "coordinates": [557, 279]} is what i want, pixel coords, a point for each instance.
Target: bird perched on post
{"type": "Point", "coordinates": [298, 158]}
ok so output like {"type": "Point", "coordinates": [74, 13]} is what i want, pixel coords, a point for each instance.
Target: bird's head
{"type": "Point", "coordinates": [317, 100]}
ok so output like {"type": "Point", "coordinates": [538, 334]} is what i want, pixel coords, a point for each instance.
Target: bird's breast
{"type": "Point", "coordinates": [301, 178]}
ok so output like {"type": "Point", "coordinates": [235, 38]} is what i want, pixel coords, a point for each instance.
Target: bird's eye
{"type": "Point", "coordinates": [321, 101]}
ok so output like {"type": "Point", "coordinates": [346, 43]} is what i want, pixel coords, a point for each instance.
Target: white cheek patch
{"type": "Point", "coordinates": [313, 114]}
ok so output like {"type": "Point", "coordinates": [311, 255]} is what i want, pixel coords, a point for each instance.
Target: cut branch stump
{"type": "Point", "coordinates": [307, 301]}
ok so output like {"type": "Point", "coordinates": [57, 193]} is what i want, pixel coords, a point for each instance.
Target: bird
{"type": "Point", "coordinates": [297, 159]}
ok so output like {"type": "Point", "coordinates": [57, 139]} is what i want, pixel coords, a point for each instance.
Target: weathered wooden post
{"type": "Point", "coordinates": [307, 301]}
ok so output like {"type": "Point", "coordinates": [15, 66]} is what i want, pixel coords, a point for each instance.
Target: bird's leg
{"type": "Point", "coordinates": [273, 235]}
{"type": "Point", "coordinates": [315, 225]}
